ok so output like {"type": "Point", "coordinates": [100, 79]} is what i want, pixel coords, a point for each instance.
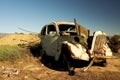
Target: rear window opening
{"type": "Point", "coordinates": [63, 27]}
{"type": "Point", "coordinates": [67, 29]}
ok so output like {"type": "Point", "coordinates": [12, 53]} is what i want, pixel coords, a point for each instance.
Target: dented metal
{"type": "Point", "coordinates": [54, 34]}
{"type": "Point", "coordinates": [99, 45]}
{"type": "Point", "coordinates": [75, 37]}
{"type": "Point", "coordinates": [77, 51]}
{"type": "Point", "coordinates": [72, 42]}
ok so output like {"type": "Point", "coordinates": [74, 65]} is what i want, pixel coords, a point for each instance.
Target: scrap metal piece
{"type": "Point", "coordinates": [90, 64]}
{"type": "Point", "coordinates": [77, 51]}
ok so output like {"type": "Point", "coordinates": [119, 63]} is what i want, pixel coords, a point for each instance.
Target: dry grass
{"type": "Point", "coordinates": [9, 53]}
{"type": "Point", "coordinates": [9, 49]}
{"type": "Point", "coordinates": [15, 39]}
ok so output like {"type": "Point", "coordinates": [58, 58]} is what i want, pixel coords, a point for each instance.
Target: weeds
{"type": "Point", "coordinates": [9, 53]}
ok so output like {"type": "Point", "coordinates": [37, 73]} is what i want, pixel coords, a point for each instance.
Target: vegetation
{"type": "Point", "coordinates": [115, 43]}
{"type": "Point", "coordinates": [9, 53]}
{"type": "Point", "coordinates": [115, 38]}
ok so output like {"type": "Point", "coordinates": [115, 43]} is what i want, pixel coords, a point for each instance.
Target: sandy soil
{"type": "Point", "coordinates": [14, 39]}
{"type": "Point", "coordinates": [31, 68]}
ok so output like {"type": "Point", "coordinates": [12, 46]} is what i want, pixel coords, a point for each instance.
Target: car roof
{"type": "Point", "coordinates": [59, 22]}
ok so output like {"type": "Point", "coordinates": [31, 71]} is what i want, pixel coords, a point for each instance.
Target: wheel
{"type": "Point", "coordinates": [100, 62]}
{"type": "Point", "coordinates": [104, 63]}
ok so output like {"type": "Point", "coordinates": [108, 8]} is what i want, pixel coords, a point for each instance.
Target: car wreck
{"type": "Point", "coordinates": [69, 41]}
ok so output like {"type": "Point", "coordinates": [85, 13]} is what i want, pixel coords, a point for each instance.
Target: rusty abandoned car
{"type": "Point", "coordinates": [69, 41]}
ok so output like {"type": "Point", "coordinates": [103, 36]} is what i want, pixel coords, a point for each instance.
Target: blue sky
{"type": "Point", "coordinates": [32, 15]}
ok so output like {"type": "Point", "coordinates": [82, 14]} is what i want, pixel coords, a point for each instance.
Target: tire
{"type": "Point", "coordinates": [100, 62]}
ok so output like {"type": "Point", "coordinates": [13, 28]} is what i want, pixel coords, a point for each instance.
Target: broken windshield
{"type": "Point", "coordinates": [64, 27]}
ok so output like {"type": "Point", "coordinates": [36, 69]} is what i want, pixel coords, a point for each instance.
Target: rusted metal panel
{"type": "Point", "coordinates": [99, 45]}
{"type": "Point", "coordinates": [77, 51]}
{"type": "Point", "coordinates": [83, 31]}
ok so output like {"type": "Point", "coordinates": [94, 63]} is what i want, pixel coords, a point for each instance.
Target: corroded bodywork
{"type": "Point", "coordinates": [72, 41]}
{"type": "Point", "coordinates": [54, 34]}
{"type": "Point", "coordinates": [99, 45]}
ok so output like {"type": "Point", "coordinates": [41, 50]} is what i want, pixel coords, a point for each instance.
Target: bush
{"type": "Point", "coordinates": [114, 43]}
{"type": "Point", "coordinates": [9, 53]}
{"type": "Point", "coordinates": [115, 38]}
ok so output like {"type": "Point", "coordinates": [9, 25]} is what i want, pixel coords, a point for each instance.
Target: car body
{"type": "Point", "coordinates": [54, 34]}
{"type": "Point", "coordinates": [68, 41]}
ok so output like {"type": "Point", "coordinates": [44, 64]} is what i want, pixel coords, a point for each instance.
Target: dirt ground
{"type": "Point", "coordinates": [31, 68]}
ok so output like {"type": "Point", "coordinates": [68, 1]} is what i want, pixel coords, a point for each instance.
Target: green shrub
{"type": "Point", "coordinates": [9, 53]}
{"type": "Point", "coordinates": [114, 43]}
